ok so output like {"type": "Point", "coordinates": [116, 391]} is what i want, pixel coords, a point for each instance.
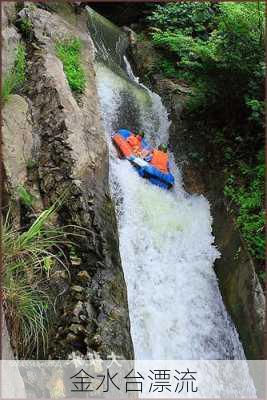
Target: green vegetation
{"type": "Point", "coordinates": [32, 164]}
{"type": "Point", "coordinates": [69, 52]}
{"type": "Point", "coordinates": [26, 26]}
{"type": "Point", "coordinates": [28, 258]}
{"type": "Point", "coordinates": [218, 49]}
{"type": "Point", "coordinates": [250, 200]}
{"type": "Point", "coordinates": [225, 58]}
{"type": "Point", "coordinates": [25, 196]}
{"type": "Point", "coordinates": [16, 77]}
{"type": "Point", "coordinates": [196, 19]}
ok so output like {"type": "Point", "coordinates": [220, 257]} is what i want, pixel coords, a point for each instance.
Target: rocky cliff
{"type": "Point", "coordinates": [54, 141]}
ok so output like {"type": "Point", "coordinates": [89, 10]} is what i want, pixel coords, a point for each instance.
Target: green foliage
{"type": "Point", "coordinates": [28, 259]}
{"type": "Point", "coordinates": [26, 26]}
{"type": "Point", "coordinates": [69, 52]}
{"type": "Point", "coordinates": [25, 196]}
{"type": "Point", "coordinates": [168, 68]}
{"type": "Point", "coordinates": [177, 42]}
{"type": "Point", "coordinates": [228, 64]}
{"type": "Point", "coordinates": [257, 109]}
{"type": "Point", "coordinates": [31, 164]}
{"type": "Point", "coordinates": [249, 199]}
{"type": "Point", "coordinates": [8, 87]}
{"type": "Point", "coordinates": [196, 18]}
{"type": "Point", "coordinates": [20, 65]}
{"type": "Point", "coordinates": [16, 77]}
{"type": "Point", "coordinates": [196, 100]}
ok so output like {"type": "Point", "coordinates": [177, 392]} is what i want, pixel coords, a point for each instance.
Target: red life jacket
{"type": "Point", "coordinates": [160, 160]}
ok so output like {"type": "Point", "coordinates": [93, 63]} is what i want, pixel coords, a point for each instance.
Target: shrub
{"type": "Point", "coordinates": [69, 52]}
{"type": "Point", "coordinates": [228, 62]}
{"type": "Point", "coordinates": [194, 18]}
{"type": "Point", "coordinates": [177, 42]}
{"type": "Point", "coordinates": [249, 199]}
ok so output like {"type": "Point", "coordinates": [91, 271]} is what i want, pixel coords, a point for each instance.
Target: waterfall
{"type": "Point", "coordinates": [166, 242]}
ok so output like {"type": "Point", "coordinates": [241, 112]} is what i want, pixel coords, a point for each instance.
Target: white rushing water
{"type": "Point", "coordinates": [166, 242]}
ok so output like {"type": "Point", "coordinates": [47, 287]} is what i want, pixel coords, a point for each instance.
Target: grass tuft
{"type": "Point", "coordinates": [16, 77]}
{"type": "Point", "coordinates": [29, 259]}
{"type": "Point", "coordinates": [69, 52]}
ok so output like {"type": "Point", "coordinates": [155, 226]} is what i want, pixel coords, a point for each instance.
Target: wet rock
{"type": "Point", "coordinates": [83, 276]}
{"type": "Point", "coordinates": [78, 308]}
{"type": "Point", "coordinates": [71, 338]}
{"type": "Point", "coordinates": [75, 261]}
{"type": "Point", "coordinates": [60, 330]}
{"type": "Point", "coordinates": [76, 320]}
{"type": "Point", "coordinates": [97, 340]}
{"type": "Point", "coordinates": [77, 328]}
{"type": "Point", "coordinates": [77, 289]}
{"type": "Point", "coordinates": [81, 296]}
{"type": "Point", "coordinates": [76, 355]}
{"type": "Point", "coordinates": [58, 275]}
{"type": "Point", "coordinates": [131, 35]}
{"type": "Point", "coordinates": [90, 310]}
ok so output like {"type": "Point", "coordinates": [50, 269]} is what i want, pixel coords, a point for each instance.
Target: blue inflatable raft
{"type": "Point", "coordinates": [144, 168]}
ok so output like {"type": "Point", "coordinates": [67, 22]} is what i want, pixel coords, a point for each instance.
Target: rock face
{"type": "Point", "coordinates": [17, 139]}
{"type": "Point", "coordinates": [10, 37]}
{"type": "Point", "coordinates": [240, 288]}
{"type": "Point", "coordinates": [239, 285]}
{"type": "Point", "coordinates": [70, 153]}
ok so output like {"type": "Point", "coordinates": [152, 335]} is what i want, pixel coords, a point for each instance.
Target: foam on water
{"type": "Point", "coordinates": [166, 243]}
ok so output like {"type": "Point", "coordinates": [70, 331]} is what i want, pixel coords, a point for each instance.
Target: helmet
{"type": "Point", "coordinates": [142, 133]}
{"type": "Point", "coordinates": [135, 131]}
{"type": "Point", "coordinates": [163, 147]}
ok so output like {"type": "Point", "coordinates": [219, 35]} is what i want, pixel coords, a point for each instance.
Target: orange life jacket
{"type": "Point", "coordinates": [123, 146]}
{"type": "Point", "coordinates": [135, 143]}
{"type": "Point", "coordinates": [160, 160]}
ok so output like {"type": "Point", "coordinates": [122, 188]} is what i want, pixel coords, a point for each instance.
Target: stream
{"type": "Point", "coordinates": [166, 242]}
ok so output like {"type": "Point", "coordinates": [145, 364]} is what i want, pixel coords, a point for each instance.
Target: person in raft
{"type": "Point", "coordinates": [135, 141]}
{"type": "Point", "coordinates": [159, 158]}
